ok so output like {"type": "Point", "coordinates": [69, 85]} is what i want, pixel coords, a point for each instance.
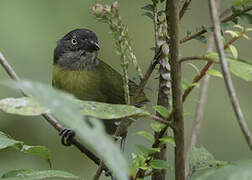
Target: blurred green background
{"type": "Point", "coordinates": [28, 33]}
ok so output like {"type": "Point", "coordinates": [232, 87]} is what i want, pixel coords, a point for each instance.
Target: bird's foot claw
{"type": "Point", "coordinates": [66, 136]}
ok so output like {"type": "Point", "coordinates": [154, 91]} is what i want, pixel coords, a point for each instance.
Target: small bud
{"type": "Point", "coordinates": [97, 9]}
{"type": "Point", "coordinates": [114, 8]}
{"type": "Point", "coordinates": [107, 9]}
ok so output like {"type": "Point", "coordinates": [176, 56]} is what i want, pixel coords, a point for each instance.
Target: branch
{"type": "Point", "coordinates": [204, 58]}
{"type": "Point", "coordinates": [184, 8]}
{"type": "Point", "coordinates": [199, 110]}
{"type": "Point", "coordinates": [99, 171]}
{"type": "Point", "coordinates": [229, 18]}
{"type": "Point", "coordinates": [47, 116]}
{"type": "Point", "coordinates": [188, 91]}
{"type": "Point", "coordinates": [226, 74]}
{"type": "Point", "coordinates": [172, 7]}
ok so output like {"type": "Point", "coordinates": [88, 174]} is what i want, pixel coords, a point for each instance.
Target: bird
{"type": "Point", "coordinates": [78, 70]}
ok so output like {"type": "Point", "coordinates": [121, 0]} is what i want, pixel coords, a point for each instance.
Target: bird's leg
{"type": "Point", "coordinates": [66, 136]}
{"type": "Point", "coordinates": [123, 141]}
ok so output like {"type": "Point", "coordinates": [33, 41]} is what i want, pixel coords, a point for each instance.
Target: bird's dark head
{"type": "Point", "coordinates": [78, 49]}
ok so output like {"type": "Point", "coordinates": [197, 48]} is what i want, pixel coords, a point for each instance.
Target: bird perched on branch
{"type": "Point", "coordinates": [78, 70]}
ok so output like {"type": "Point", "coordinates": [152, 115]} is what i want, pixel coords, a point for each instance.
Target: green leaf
{"type": "Point", "coordinates": [236, 170]}
{"type": "Point", "coordinates": [212, 55]}
{"type": "Point", "coordinates": [156, 126]}
{"type": "Point", "coordinates": [234, 34]}
{"type": "Point", "coordinates": [194, 67]}
{"type": "Point", "coordinates": [168, 140]}
{"type": "Point", "coordinates": [37, 174]}
{"type": "Point", "coordinates": [185, 84]}
{"type": "Point", "coordinates": [225, 26]}
{"type": "Point", "coordinates": [66, 109]}
{"type": "Point", "coordinates": [234, 51]}
{"type": "Point", "coordinates": [200, 159]}
{"type": "Point", "coordinates": [22, 106]}
{"type": "Point", "coordinates": [202, 39]}
{"type": "Point", "coordinates": [147, 135]}
{"type": "Point", "coordinates": [41, 151]}
{"type": "Point", "coordinates": [148, 7]}
{"type": "Point", "coordinates": [29, 106]}
{"type": "Point", "coordinates": [110, 111]}
{"type": "Point", "coordinates": [146, 151]}
{"type": "Point", "coordinates": [158, 164]}
{"type": "Point", "coordinates": [148, 14]}
{"type": "Point", "coordinates": [247, 18]}
{"type": "Point", "coordinates": [163, 111]}
{"type": "Point", "coordinates": [241, 2]}
{"type": "Point", "coordinates": [240, 69]}
{"type": "Point", "coordinates": [37, 151]}
{"type": "Point", "coordinates": [214, 72]}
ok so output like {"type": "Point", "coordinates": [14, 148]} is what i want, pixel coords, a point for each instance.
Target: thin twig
{"type": "Point", "coordinates": [146, 77]}
{"type": "Point", "coordinates": [199, 110]}
{"type": "Point", "coordinates": [202, 58]}
{"type": "Point", "coordinates": [47, 116]}
{"type": "Point", "coordinates": [184, 8]}
{"type": "Point", "coordinates": [229, 18]}
{"type": "Point", "coordinates": [99, 171]}
{"type": "Point", "coordinates": [161, 120]}
{"type": "Point", "coordinates": [226, 74]}
{"type": "Point", "coordinates": [172, 7]}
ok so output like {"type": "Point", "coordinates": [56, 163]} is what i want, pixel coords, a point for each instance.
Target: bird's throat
{"type": "Point", "coordinates": [79, 60]}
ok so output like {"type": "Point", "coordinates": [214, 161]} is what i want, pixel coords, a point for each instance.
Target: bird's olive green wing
{"type": "Point", "coordinates": [103, 84]}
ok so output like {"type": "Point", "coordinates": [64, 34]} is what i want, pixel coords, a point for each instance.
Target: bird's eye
{"type": "Point", "coordinates": [74, 41]}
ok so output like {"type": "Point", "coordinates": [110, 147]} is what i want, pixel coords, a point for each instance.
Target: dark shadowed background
{"type": "Point", "coordinates": [28, 34]}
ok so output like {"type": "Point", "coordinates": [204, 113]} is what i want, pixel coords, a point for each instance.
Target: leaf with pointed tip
{"type": "Point", "coordinates": [214, 72]}
{"type": "Point", "coordinates": [146, 135]}
{"type": "Point", "coordinates": [148, 7]}
{"type": "Point", "coordinates": [41, 151]}
{"type": "Point", "coordinates": [148, 14]}
{"type": "Point", "coordinates": [200, 159]}
{"type": "Point", "coordinates": [66, 109]}
{"type": "Point", "coordinates": [241, 170]}
{"type": "Point", "coordinates": [163, 111]}
{"type": "Point", "coordinates": [28, 174]}
{"type": "Point", "coordinates": [158, 164]}
{"type": "Point", "coordinates": [168, 140]}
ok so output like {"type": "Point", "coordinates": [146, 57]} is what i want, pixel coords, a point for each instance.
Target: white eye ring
{"type": "Point", "coordinates": [74, 41]}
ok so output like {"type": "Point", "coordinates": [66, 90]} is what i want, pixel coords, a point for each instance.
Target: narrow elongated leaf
{"type": "Point", "coordinates": [110, 111]}
{"type": "Point", "coordinates": [26, 174]}
{"type": "Point", "coordinates": [234, 51]}
{"type": "Point", "coordinates": [6, 141]}
{"type": "Point", "coordinates": [29, 106]}
{"type": "Point", "coordinates": [146, 151]}
{"type": "Point", "coordinates": [26, 106]}
{"type": "Point", "coordinates": [168, 140]}
{"type": "Point", "coordinates": [156, 126]}
{"type": "Point", "coordinates": [148, 7]}
{"type": "Point", "coordinates": [241, 69]}
{"type": "Point", "coordinates": [147, 135]}
{"type": "Point", "coordinates": [214, 72]}
{"type": "Point", "coordinates": [89, 130]}
{"type": "Point", "coordinates": [158, 164]}
{"type": "Point", "coordinates": [162, 111]}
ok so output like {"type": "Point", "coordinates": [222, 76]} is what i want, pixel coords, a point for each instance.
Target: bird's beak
{"type": "Point", "coordinates": [94, 46]}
